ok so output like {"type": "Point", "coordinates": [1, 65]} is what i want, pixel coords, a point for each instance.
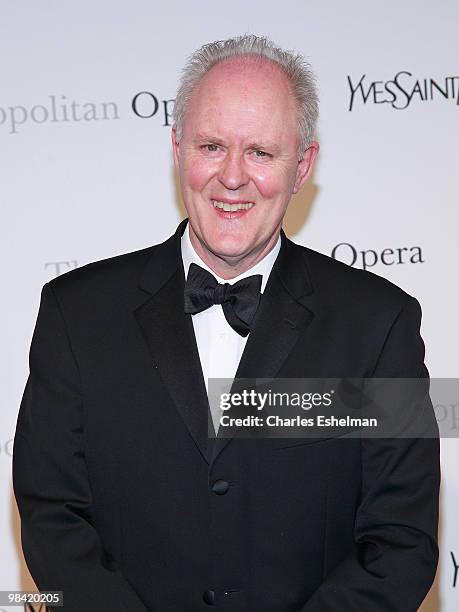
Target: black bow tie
{"type": "Point", "coordinates": [239, 301]}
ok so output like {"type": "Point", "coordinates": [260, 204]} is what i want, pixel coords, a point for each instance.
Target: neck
{"type": "Point", "coordinates": [227, 267]}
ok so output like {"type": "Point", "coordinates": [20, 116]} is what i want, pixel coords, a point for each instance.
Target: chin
{"type": "Point", "coordinates": [228, 246]}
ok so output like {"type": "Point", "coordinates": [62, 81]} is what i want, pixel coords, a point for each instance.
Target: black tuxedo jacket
{"type": "Point", "coordinates": [126, 507]}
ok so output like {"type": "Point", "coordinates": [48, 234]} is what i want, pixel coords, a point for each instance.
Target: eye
{"type": "Point", "coordinates": [260, 154]}
{"type": "Point", "coordinates": [210, 148]}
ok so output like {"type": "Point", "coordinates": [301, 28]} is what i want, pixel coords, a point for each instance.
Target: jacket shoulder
{"type": "Point", "coordinates": [111, 284]}
{"type": "Point", "coordinates": [103, 273]}
{"type": "Point", "coordinates": [351, 285]}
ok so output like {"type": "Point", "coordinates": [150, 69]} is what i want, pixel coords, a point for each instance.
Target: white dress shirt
{"type": "Point", "coordinates": [220, 347]}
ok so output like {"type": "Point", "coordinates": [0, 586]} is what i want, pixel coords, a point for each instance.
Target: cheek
{"type": "Point", "coordinates": [197, 173]}
{"type": "Point", "coordinates": [270, 184]}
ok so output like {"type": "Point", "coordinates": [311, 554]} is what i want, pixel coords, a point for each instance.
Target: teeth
{"type": "Point", "coordinates": [232, 207]}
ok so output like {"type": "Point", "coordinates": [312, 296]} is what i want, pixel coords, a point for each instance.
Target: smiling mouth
{"type": "Point", "coordinates": [227, 207]}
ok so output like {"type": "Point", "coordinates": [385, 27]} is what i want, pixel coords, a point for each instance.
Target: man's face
{"type": "Point", "coordinates": [238, 162]}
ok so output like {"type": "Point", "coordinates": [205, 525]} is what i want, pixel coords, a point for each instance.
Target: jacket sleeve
{"type": "Point", "coordinates": [60, 541]}
{"type": "Point", "coordinates": [394, 560]}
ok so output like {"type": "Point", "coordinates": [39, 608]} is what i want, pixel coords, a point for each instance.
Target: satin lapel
{"type": "Point", "coordinates": [286, 310]}
{"type": "Point", "coordinates": [169, 334]}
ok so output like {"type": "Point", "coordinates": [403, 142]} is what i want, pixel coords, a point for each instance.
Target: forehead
{"type": "Point", "coordinates": [243, 97]}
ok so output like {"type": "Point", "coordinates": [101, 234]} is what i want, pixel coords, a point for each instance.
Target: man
{"type": "Point", "coordinates": [125, 502]}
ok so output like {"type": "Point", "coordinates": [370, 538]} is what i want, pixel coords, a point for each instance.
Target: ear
{"type": "Point", "coordinates": [175, 147]}
{"type": "Point", "coordinates": [305, 165]}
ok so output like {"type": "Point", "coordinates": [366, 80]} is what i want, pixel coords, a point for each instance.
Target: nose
{"type": "Point", "coordinates": [233, 174]}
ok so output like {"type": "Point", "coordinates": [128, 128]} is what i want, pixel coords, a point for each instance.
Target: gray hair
{"type": "Point", "coordinates": [296, 69]}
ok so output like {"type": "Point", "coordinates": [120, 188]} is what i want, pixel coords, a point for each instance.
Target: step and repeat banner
{"type": "Point", "coordinates": [86, 98]}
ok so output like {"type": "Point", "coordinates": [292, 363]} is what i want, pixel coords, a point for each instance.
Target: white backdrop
{"type": "Point", "coordinates": [86, 174]}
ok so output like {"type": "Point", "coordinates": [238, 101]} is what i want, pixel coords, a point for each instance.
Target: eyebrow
{"type": "Point", "coordinates": [207, 138]}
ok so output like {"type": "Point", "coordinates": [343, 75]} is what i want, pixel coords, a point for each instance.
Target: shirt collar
{"type": "Point", "coordinates": [263, 267]}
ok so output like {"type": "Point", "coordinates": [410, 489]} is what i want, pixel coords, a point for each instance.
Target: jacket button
{"type": "Point", "coordinates": [209, 597]}
{"type": "Point", "coordinates": [220, 487]}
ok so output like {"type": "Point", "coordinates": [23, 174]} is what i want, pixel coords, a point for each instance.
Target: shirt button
{"type": "Point", "coordinates": [220, 487]}
{"type": "Point", "coordinates": [209, 597]}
